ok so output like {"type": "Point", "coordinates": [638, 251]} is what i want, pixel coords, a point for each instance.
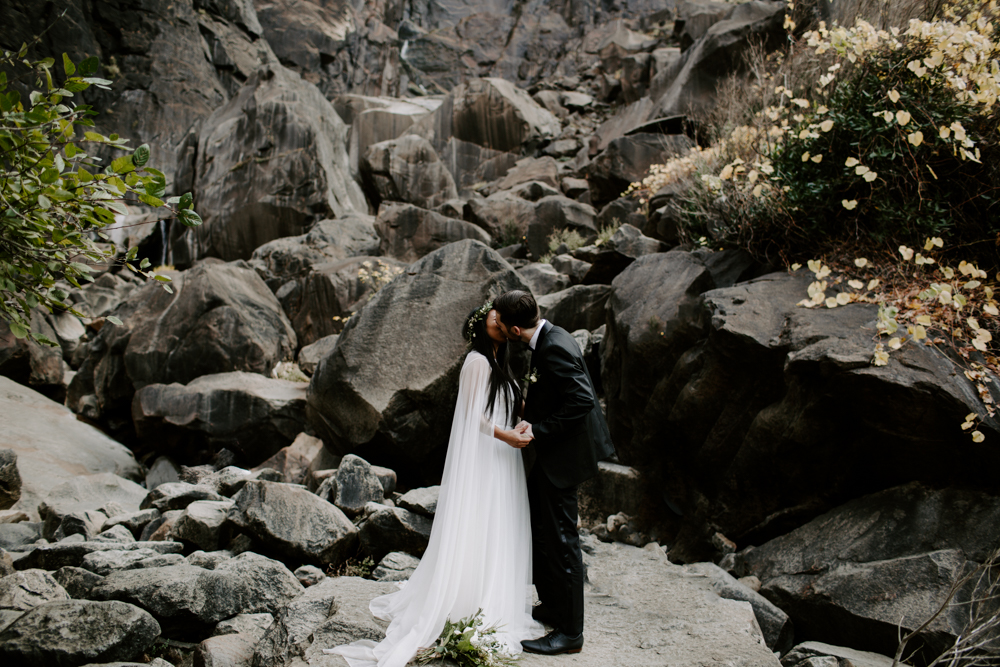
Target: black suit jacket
{"type": "Point", "coordinates": [571, 435]}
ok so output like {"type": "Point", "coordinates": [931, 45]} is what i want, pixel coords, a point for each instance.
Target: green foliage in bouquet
{"type": "Point", "coordinates": [469, 644]}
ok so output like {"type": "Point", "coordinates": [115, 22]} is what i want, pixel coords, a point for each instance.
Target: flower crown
{"type": "Point", "coordinates": [482, 312]}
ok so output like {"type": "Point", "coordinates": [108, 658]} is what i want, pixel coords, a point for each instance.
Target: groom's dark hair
{"type": "Point", "coordinates": [517, 308]}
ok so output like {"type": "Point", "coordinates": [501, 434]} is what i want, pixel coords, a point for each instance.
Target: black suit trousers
{"type": "Point", "coordinates": [557, 561]}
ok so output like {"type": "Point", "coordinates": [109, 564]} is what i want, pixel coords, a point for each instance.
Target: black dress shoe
{"type": "Point", "coordinates": [554, 643]}
{"type": "Point", "coordinates": [544, 614]}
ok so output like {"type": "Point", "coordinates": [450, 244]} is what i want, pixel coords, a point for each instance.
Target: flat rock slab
{"type": "Point", "coordinates": [55, 556]}
{"type": "Point", "coordinates": [643, 611]}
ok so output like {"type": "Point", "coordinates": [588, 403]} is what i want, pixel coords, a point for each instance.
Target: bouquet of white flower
{"type": "Point", "coordinates": [469, 644]}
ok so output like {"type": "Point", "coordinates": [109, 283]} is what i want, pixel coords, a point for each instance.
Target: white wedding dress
{"type": "Point", "coordinates": [479, 553]}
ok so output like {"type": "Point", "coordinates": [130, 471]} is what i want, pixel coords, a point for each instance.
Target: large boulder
{"type": "Point", "coordinates": [185, 598]}
{"type": "Point", "coordinates": [578, 307]}
{"type": "Point", "coordinates": [247, 413]}
{"type": "Point", "coordinates": [357, 484]}
{"type": "Point", "coordinates": [29, 363]}
{"type": "Point", "coordinates": [27, 589]}
{"type": "Point", "coordinates": [387, 391]}
{"type": "Point", "coordinates": [408, 232]}
{"type": "Point", "coordinates": [72, 554]}
{"type": "Point", "coordinates": [293, 461]}
{"type": "Point", "coordinates": [691, 83]}
{"type": "Point", "coordinates": [292, 257]}
{"type": "Point", "coordinates": [219, 318]}
{"type": "Point", "coordinates": [70, 633]}
{"type": "Point", "coordinates": [88, 493]}
{"type": "Point", "coordinates": [271, 162]}
{"type": "Point", "coordinates": [377, 119]}
{"type": "Point", "coordinates": [557, 212]}
{"type": "Point", "coordinates": [203, 524]}
{"type": "Point", "coordinates": [506, 214]}
{"type": "Point", "coordinates": [394, 529]}
{"type": "Point", "coordinates": [628, 159]}
{"type": "Point", "coordinates": [294, 523]}
{"type": "Point", "coordinates": [492, 113]}
{"type": "Point", "coordinates": [37, 429]}
{"type": "Point", "coordinates": [406, 170]}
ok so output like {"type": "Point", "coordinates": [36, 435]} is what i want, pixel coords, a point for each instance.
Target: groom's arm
{"type": "Point", "coordinates": [571, 385]}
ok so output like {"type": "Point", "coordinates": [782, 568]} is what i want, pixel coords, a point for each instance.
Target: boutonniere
{"type": "Point", "coordinates": [531, 378]}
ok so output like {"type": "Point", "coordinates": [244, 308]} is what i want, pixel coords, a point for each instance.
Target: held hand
{"type": "Point", "coordinates": [517, 437]}
{"type": "Point", "coordinates": [522, 426]}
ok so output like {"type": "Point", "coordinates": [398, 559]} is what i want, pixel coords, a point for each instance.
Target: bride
{"type": "Point", "coordinates": [479, 553]}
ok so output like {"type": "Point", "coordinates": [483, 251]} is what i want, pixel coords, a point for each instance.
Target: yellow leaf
{"type": "Point", "coordinates": [814, 265]}
{"type": "Point", "coordinates": [895, 343]}
{"type": "Point", "coordinates": [856, 284]}
{"type": "Point", "coordinates": [795, 267]}
{"type": "Point", "coordinates": [805, 156]}
{"type": "Point", "coordinates": [972, 416]}
{"type": "Point", "coordinates": [907, 253]}
{"type": "Point", "coordinates": [979, 345]}
{"type": "Point", "coordinates": [850, 162]}
{"type": "Point", "coordinates": [758, 189]}
{"type": "Point", "coordinates": [973, 323]}
{"type": "Point", "coordinates": [871, 176]}
{"type": "Point", "coordinates": [944, 298]}
{"type": "Point", "coordinates": [861, 170]}
{"type": "Point", "coordinates": [947, 272]}
{"type": "Point", "coordinates": [831, 302]}
{"type": "Point", "coordinates": [726, 173]}
{"type": "Point", "coordinates": [860, 262]}
{"type": "Point", "coordinates": [902, 117]}
{"type": "Point", "coordinates": [977, 436]}
{"type": "Point", "coordinates": [924, 319]}
{"type": "Point", "coordinates": [894, 96]}
{"type": "Point", "coordinates": [817, 158]}
{"type": "Point", "coordinates": [936, 240]}
{"type": "Point", "coordinates": [881, 357]}
{"type": "Point", "coordinates": [915, 138]}
{"type": "Point", "coordinates": [843, 298]}
{"type": "Point", "coordinates": [990, 309]}
{"type": "Point", "coordinates": [872, 284]}
{"type": "Point", "coordinates": [944, 131]}
{"type": "Point", "coordinates": [967, 425]}
{"type": "Point", "coordinates": [826, 125]}
{"type": "Point", "coordinates": [972, 284]}
{"type": "Point", "coordinates": [919, 333]}
{"type": "Point", "coordinates": [849, 205]}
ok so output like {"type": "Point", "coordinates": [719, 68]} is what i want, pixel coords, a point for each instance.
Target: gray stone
{"type": "Point", "coordinates": [10, 479]}
{"type": "Point", "coordinates": [576, 269]}
{"type": "Point", "coordinates": [27, 362]}
{"type": "Point", "coordinates": [554, 213]}
{"type": "Point", "coordinates": [627, 159]}
{"type": "Point", "coordinates": [396, 566]}
{"type": "Point", "coordinates": [293, 461]}
{"type": "Point", "coordinates": [798, 656]}
{"type": "Point", "coordinates": [294, 522]}
{"type": "Point", "coordinates": [163, 471]}
{"type": "Point", "coordinates": [394, 529]}
{"type": "Point", "coordinates": [387, 478]}
{"type": "Point", "coordinates": [37, 430]}
{"type": "Point", "coordinates": [248, 625]}
{"type": "Point", "coordinates": [579, 307]}
{"type": "Point", "coordinates": [160, 528]}
{"type": "Point", "coordinates": [159, 560]}
{"type": "Point", "coordinates": [305, 176]}
{"type": "Point", "coordinates": [309, 575]}
{"type": "Point", "coordinates": [406, 169]}
{"type": "Point", "coordinates": [133, 521]}
{"type": "Point", "coordinates": [203, 524]}
{"type": "Point", "coordinates": [543, 170]}
{"type": "Point", "coordinates": [87, 523]}
{"type": "Point", "coordinates": [188, 598]}
{"type": "Point", "coordinates": [75, 632]}
{"type": "Point", "coordinates": [16, 535]}
{"type": "Point", "coordinates": [116, 533]}
{"type": "Point", "coordinates": [423, 501]}
{"type": "Point", "coordinates": [178, 495]}
{"type": "Point", "coordinates": [543, 278]}
{"type": "Point", "coordinates": [86, 493]}
{"type": "Point", "coordinates": [357, 484]}
{"type": "Point", "coordinates": [55, 556]}
{"type": "Point", "coordinates": [774, 623]}
{"type": "Point", "coordinates": [244, 412]}
{"type": "Point", "coordinates": [615, 488]}
{"type": "Point", "coordinates": [351, 619]}
{"type": "Point", "coordinates": [106, 562]}
{"type": "Point", "coordinates": [505, 214]}
{"type": "Point", "coordinates": [292, 631]}
{"type": "Point", "coordinates": [409, 233]}
{"type": "Point", "coordinates": [76, 581]}
{"type": "Point", "coordinates": [379, 119]}
{"type": "Point", "coordinates": [371, 406]}
{"type": "Point", "coordinates": [225, 651]}
{"type": "Point", "coordinates": [312, 354]}
{"type": "Point", "coordinates": [27, 589]}
{"type": "Point", "coordinates": [209, 560]}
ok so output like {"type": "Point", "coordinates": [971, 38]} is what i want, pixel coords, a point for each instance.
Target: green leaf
{"type": "Point", "coordinates": [186, 200]}
{"type": "Point", "coordinates": [89, 66]}
{"type": "Point", "coordinates": [189, 218]}
{"type": "Point", "coordinates": [150, 200]}
{"type": "Point", "coordinates": [119, 184]}
{"type": "Point", "coordinates": [113, 320]}
{"type": "Point", "coordinates": [44, 203]}
{"type": "Point", "coordinates": [122, 165]}
{"type": "Point", "coordinates": [71, 150]}
{"type": "Point", "coordinates": [94, 136]}
{"type": "Point", "coordinates": [18, 329]}
{"type": "Point", "coordinates": [68, 65]}
{"type": "Point", "coordinates": [141, 155]}
{"type": "Point", "coordinates": [144, 264]}
{"type": "Point", "coordinates": [162, 279]}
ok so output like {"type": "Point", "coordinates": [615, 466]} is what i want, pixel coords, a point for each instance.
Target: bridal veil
{"type": "Point", "coordinates": [479, 553]}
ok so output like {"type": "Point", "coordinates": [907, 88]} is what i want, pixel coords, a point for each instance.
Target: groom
{"type": "Point", "coordinates": [564, 418]}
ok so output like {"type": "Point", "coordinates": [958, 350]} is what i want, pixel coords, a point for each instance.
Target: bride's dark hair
{"type": "Point", "coordinates": [501, 375]}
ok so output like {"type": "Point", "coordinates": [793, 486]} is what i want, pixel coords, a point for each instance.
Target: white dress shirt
{"type": "Point", "coordinates": [538, 332]}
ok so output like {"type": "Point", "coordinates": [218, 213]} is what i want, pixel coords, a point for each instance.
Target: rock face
{"type": "Point", "coordinates": [394, 529]}
{"type": "Point", "coordinates": [27, 589]}
{"type": "Point", "coordinates": [84, 494]}
{"type": "Point", "coordinates": [271, 162]}
{"type": "Point", "coordinates": [76, 632]}
{"type": "Point", "coordinates": [293, 522]}
{"type": "Point", "coordinates": [627, 160]}
{"type": "Point", "coordinates": [387, 391]}
{"type": "Point", "coordinates": [247, 413]}
{"type": "Point", "coordinates": [356, 485]}
{"type": "Point", "coordinates": [193, 599]}
{"type": "Point", "coordinates": [855, 571]}
{"type": "Point", "coordinates": [36, 429]}
{"type": "Point", "coordinates": [579, 307]}
{"type": "Point", "coordinates": [408, 233]}
{"type": "Point", "coordinates": [220, 318]}
{"type": "Point", "coordinates": [10, 479]}
{"type": "Point", "coordinates": [407, 170]}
